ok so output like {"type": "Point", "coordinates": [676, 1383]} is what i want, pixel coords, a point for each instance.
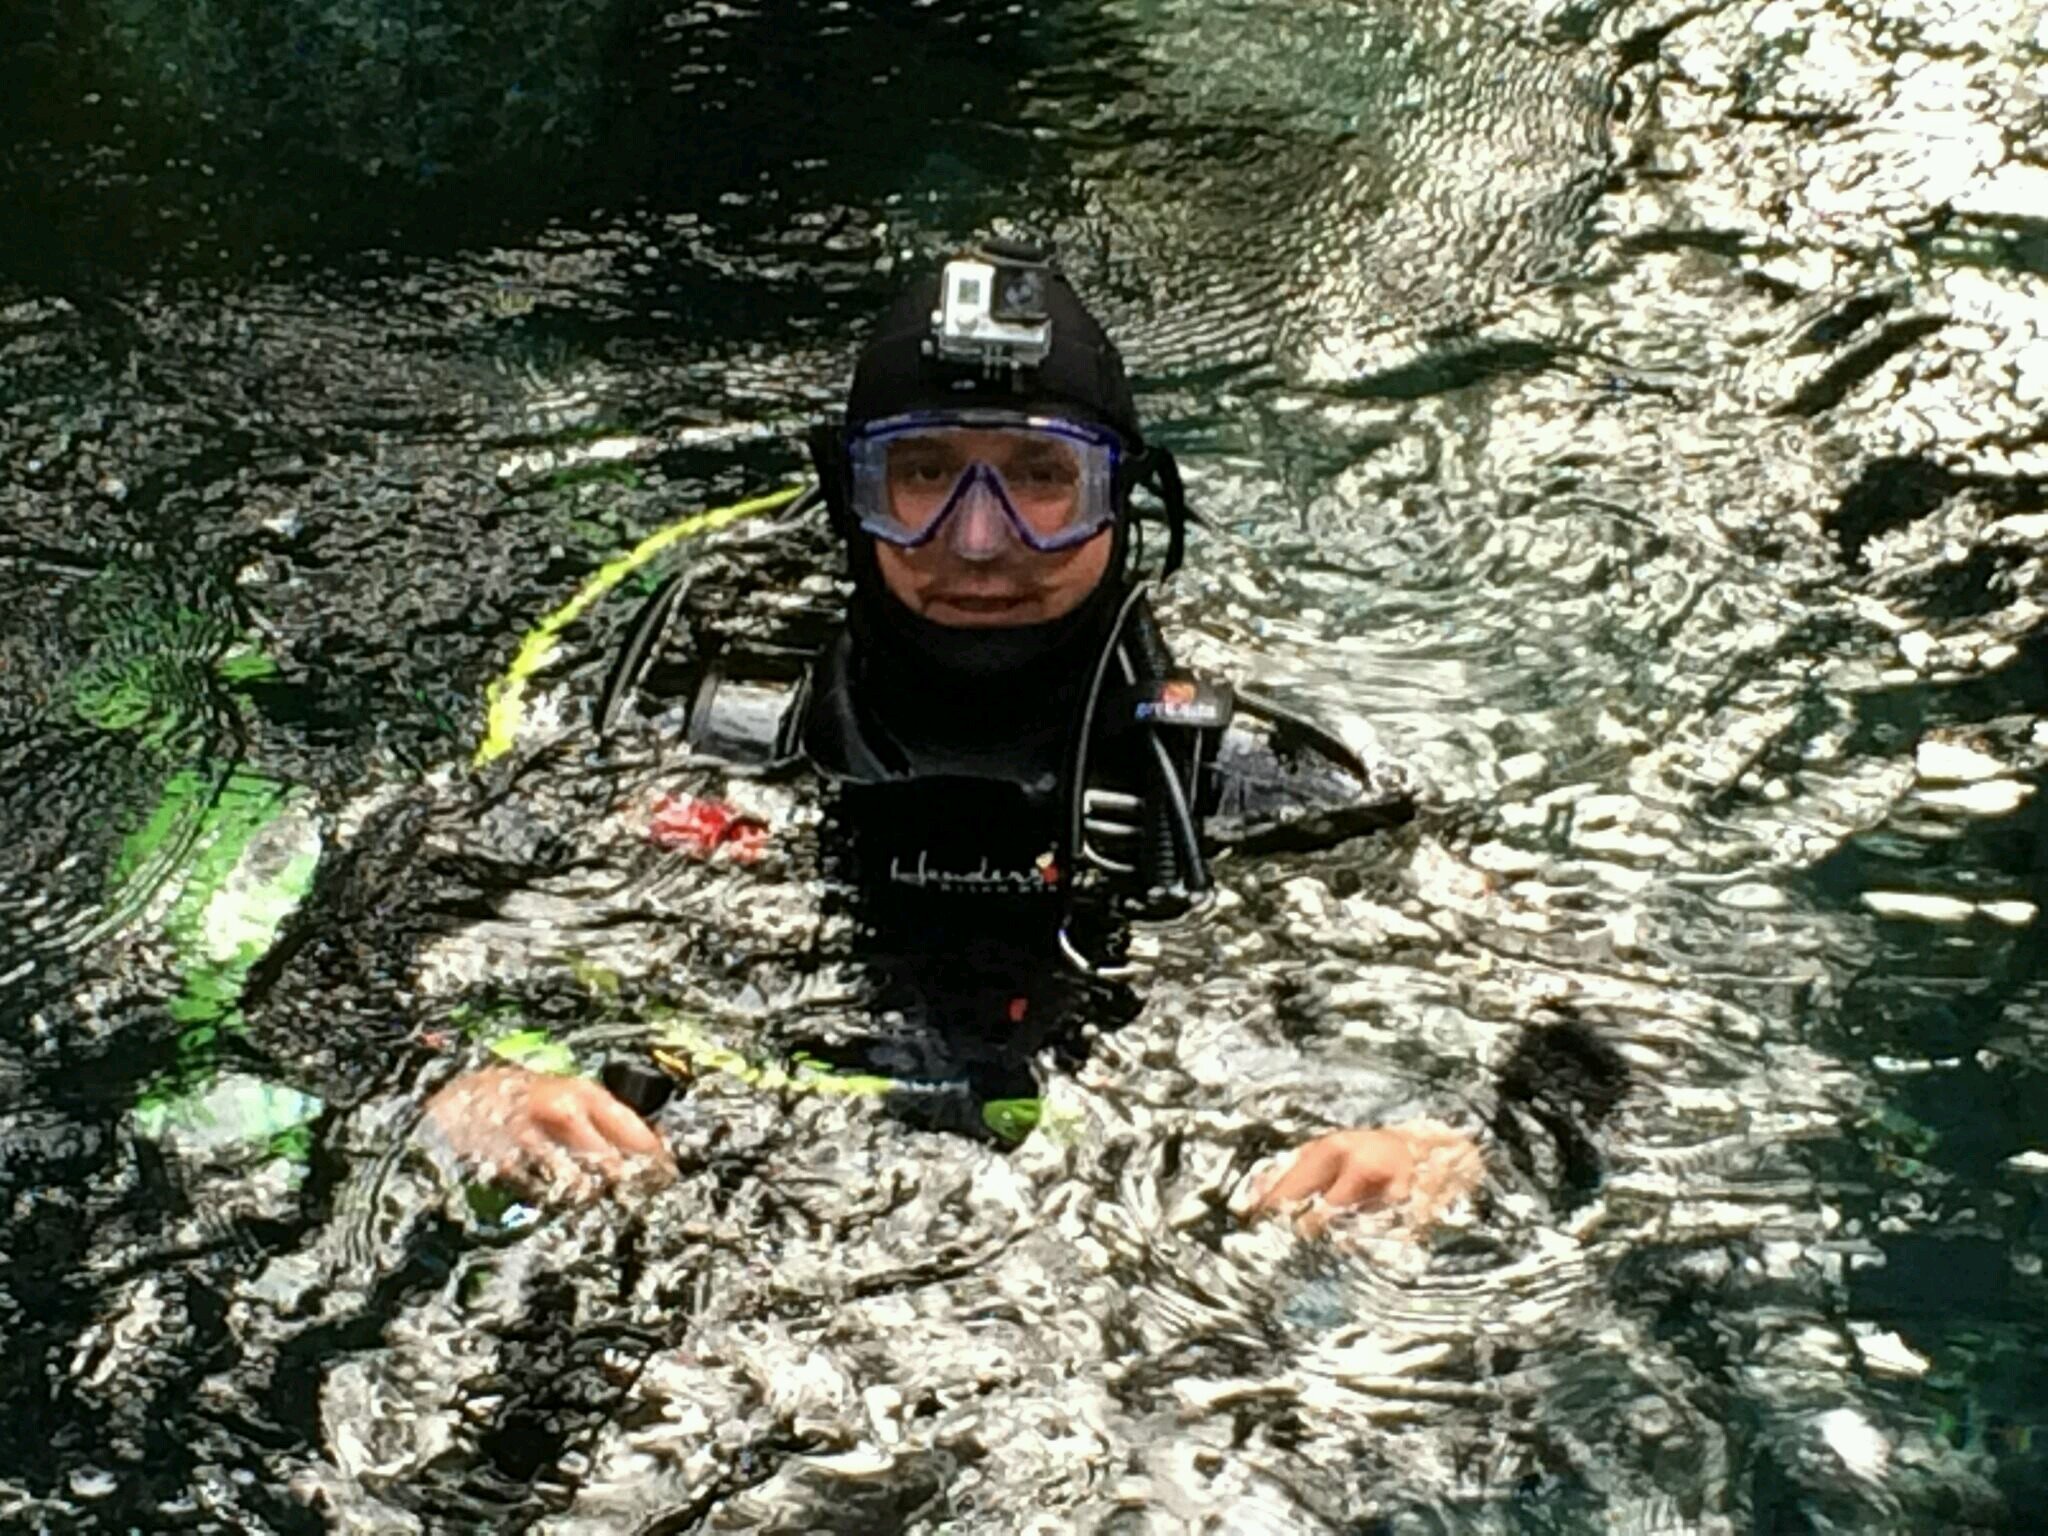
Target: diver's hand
{"type": "Point", "coordinates": [1416, 1168]}
{"type": "Point", "coordinates": [547, 1135]}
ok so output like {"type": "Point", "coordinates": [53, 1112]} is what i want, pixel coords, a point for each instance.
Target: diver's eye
{"type": "Point", "coordinates": [922, 465]}
{"type": "Point", "coordinates": [1049, 474]}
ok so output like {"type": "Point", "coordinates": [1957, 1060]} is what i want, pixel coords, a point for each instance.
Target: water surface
{"type": "Point", "coordinates": [1627, 416]}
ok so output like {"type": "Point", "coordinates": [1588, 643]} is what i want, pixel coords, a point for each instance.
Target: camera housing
{"type": "Point", "coordinates": [992, 312]}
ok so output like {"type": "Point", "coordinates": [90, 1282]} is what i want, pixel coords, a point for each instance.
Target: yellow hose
{"type": "Point", "coordinates": [505, 699]}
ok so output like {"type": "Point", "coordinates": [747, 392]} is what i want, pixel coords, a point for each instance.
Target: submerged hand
{"type": "Point", "coordinates": [547, 1134]}
{"type": "Point", "coordinates": [1418, 1166]}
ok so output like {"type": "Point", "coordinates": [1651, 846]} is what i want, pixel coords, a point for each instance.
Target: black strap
{"type": "Point", "coordinates": [1326, 741]}
{"type": "Point", "coordinates": [644, 642]}
{"type": "Point", "coordinates": [1164, 472]}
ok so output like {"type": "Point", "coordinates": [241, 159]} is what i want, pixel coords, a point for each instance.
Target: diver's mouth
{"type": "Point", "coordinates": [977, 604]}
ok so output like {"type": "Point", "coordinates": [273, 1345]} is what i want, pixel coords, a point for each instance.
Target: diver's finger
{"type": "Point", "coordinates": [564, 1119]}
{"type": "Point", "coordinates": [567, 1176]}
{"type": "Point", "coordinates": [648, 1160]}
{"type": "Point", "coordinates": [586, 1143]}
{"type": "Point", "coordinates": [1307, 1173]}
{"type": "Point", "coordinates": [1367, 1182]}
{"type": "Point", "coordinates": [628, 1132]}
{"type": "Point", "coordinates": [521, 1169]}
{"type": "Point", "coordinates": [514, 1169]}
{"type": "Point", "coordinates": [1314, 1218]}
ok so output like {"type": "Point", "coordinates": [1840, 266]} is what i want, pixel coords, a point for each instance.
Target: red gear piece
{"type": "Point", "coordinates": [702, 827]}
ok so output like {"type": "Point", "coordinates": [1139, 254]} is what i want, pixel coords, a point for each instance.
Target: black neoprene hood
{"type": "Point", "coordinates": [1082, 375]}
{"type": "Point", "coordinates": [932, 681]}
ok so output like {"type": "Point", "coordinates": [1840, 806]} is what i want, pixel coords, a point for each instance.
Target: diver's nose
{"type": "Point", "coordinates": [980, 529]}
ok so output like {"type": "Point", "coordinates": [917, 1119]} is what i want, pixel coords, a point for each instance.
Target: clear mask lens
{"type": "Point", "coordinates": [1050, 484]}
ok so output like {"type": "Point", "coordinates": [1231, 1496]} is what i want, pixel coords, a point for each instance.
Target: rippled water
{"type": "Point", "coordinates": [1627, 415]}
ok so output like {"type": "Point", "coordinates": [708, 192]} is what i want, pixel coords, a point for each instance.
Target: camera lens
{"type": "Point", "coordinates": [1022, 296]}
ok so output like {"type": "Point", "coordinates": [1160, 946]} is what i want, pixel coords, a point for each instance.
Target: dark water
{"type": "Point", "coordinates": [1628, 416]}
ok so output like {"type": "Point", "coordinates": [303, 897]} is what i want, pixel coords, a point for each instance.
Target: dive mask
{"type": "Point", "coordinates": [978, 477]}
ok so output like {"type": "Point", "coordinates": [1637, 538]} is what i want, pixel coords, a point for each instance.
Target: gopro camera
{"type": "Point", "coordinates": [992, 311]}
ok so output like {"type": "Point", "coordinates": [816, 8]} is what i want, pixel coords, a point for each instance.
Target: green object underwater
{"type": "Point", "coordinates": [241, 850]}
{"type": "Point", "coordinates": [684, 1049]}
{"type": "Point", "coordinates": [1010, 1119]}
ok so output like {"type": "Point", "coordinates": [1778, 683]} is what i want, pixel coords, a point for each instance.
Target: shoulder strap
{"type": "Point", "coordinates": [643, 643]}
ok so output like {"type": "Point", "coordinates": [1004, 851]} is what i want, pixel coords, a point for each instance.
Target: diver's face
{"type": "Point", "coordinates": [1020, 586]}
{"type": "Point", "coordinates": [976, 573]}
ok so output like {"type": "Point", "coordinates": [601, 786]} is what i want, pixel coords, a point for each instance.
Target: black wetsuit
{"type": "Point", "coordinates": [949, 830]}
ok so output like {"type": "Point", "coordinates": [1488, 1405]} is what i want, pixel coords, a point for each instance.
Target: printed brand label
{"type": "Point", "coordinates": [1167, 712]}
{"type": "Point", "coordinates": [1184, 701]}
{"type": "Point", "coordinates": [1040, 877]}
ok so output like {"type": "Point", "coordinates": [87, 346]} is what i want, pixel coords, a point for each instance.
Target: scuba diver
{"type": "Point", "coordinates": [1017, 769]}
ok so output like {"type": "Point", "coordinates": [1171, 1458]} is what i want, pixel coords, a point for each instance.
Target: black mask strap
{"type": "Point", "coordinates": [827, 444]}
{"type": "Point", "coordinates": [1155, 468]}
